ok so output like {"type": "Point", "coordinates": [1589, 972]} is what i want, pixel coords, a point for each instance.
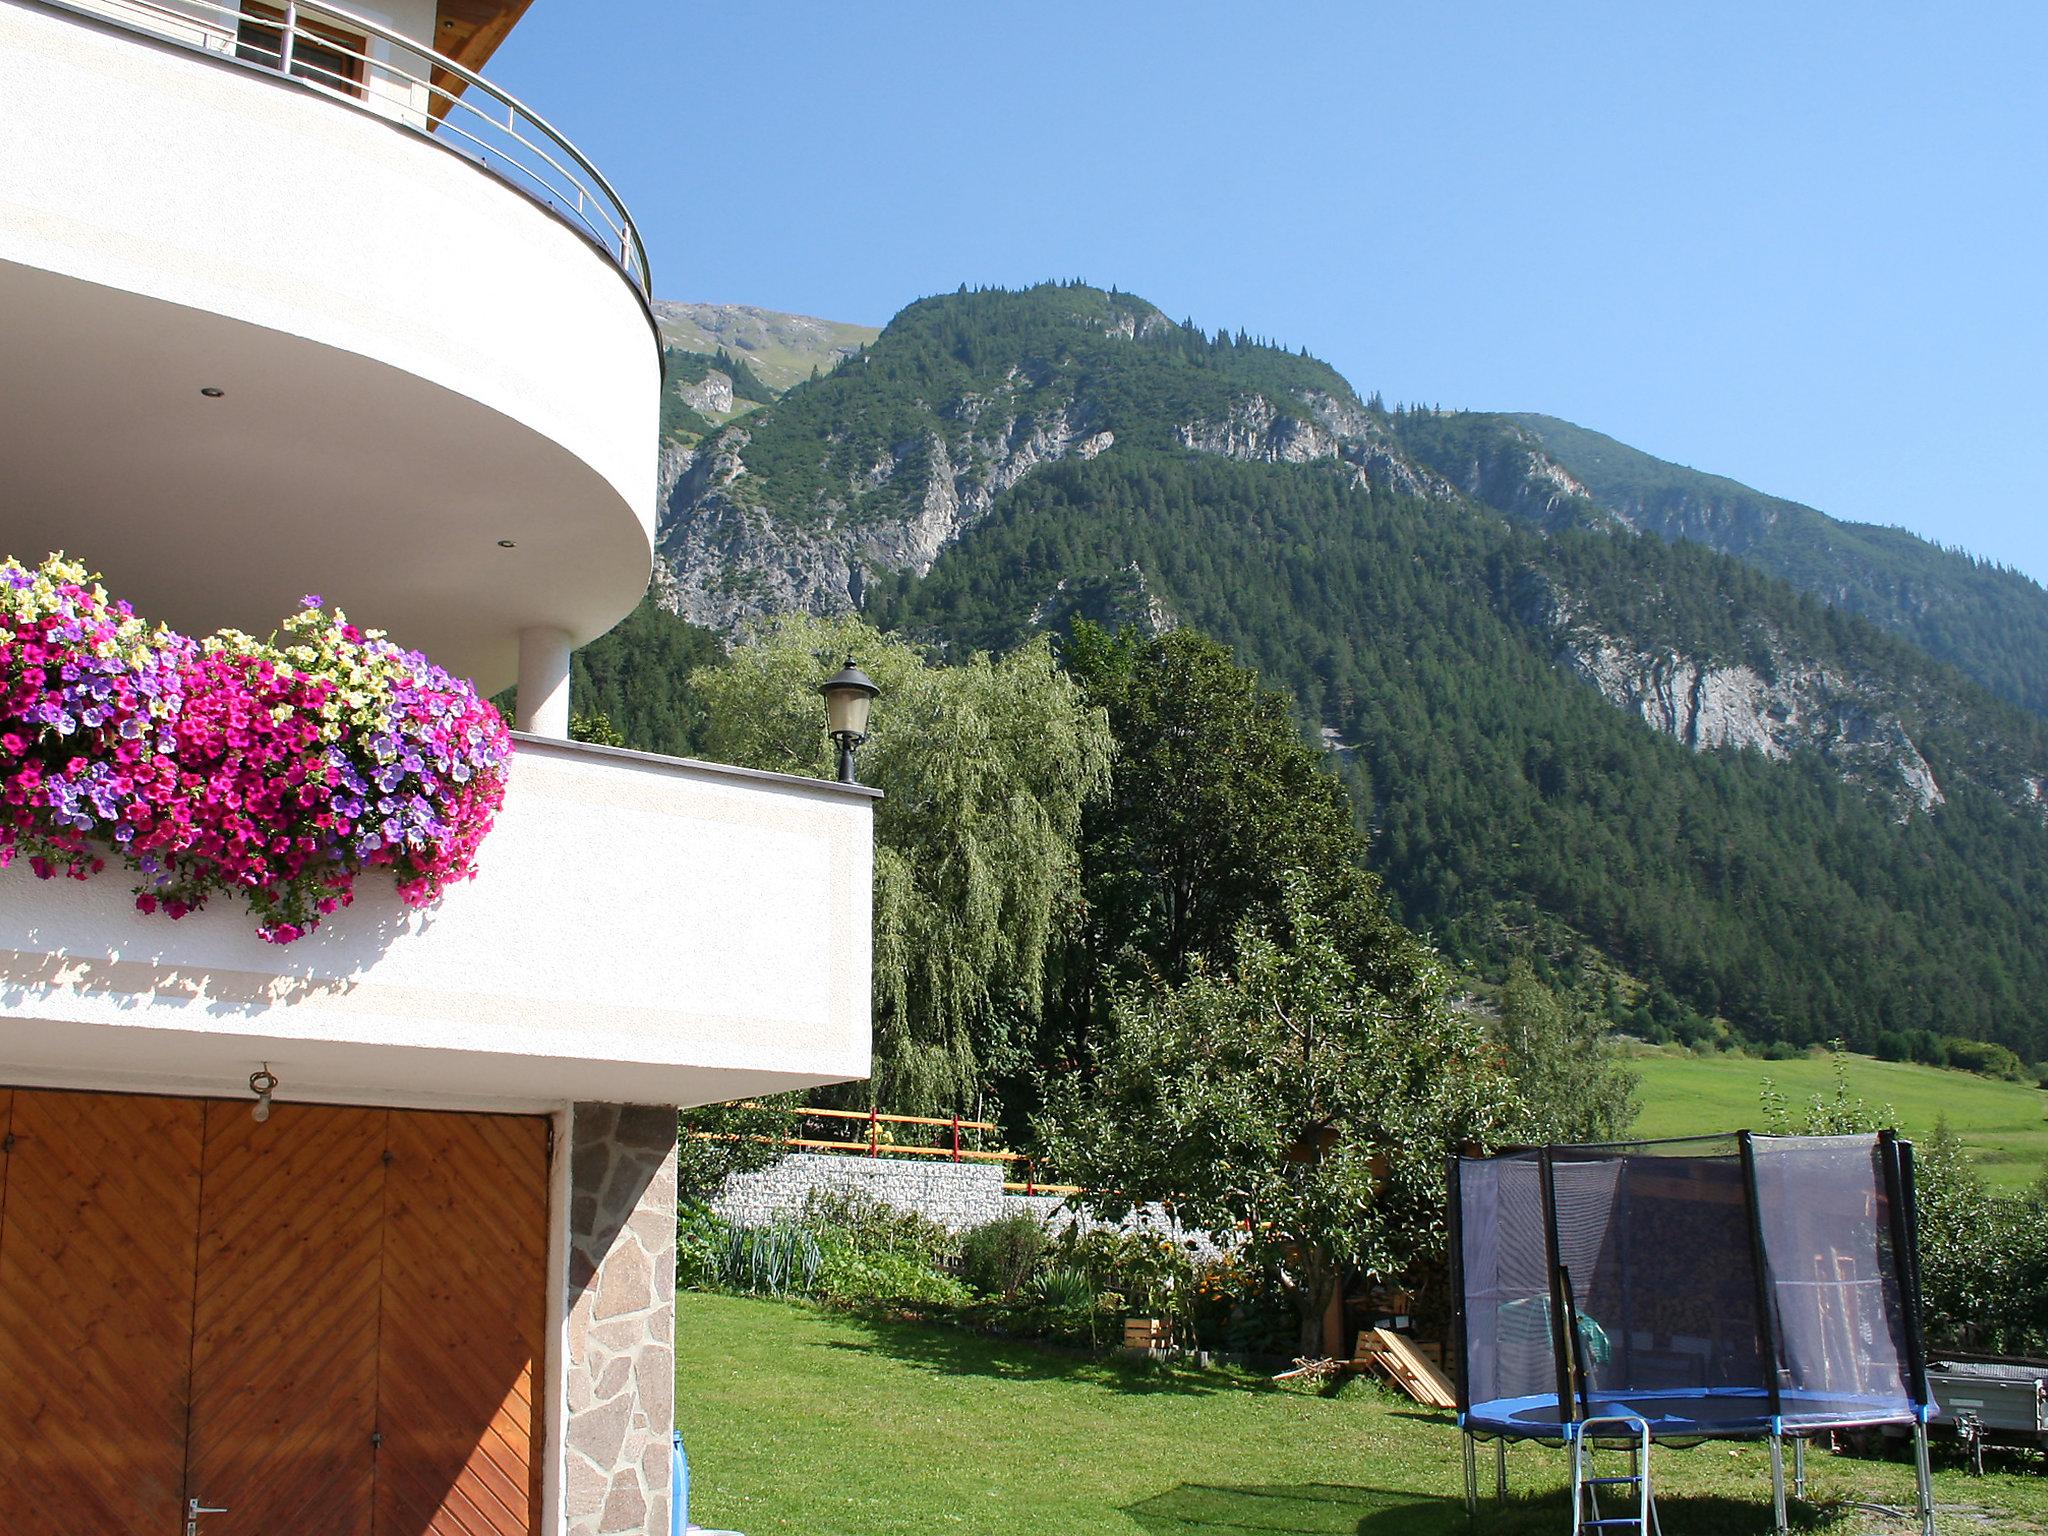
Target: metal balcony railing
{"type": "Point", "coordinates": [369, 66]}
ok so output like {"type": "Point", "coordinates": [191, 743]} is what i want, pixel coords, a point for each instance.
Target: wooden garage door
{"type": "Point", "coordinates": [284, 1357]}
{"type": "Point", "coordinates": [331, 1323]}
{"type": "Point", "coordinates": [97, 1237]}
{"type": "Point", "coordinates": [459, 1366]}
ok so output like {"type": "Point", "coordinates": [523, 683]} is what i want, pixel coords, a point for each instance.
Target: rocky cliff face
{"type": "Point", "coordinates": [709, 396]}
{"type": "Point", "coordinates": [1310, 427]}
{"type": "Point", "coordinates": [1874, 730]}
{"type": "Point", "coordinates": [1117, 599]}
{"type": "Point", "coordinates": [733, 562]}
{"type": "Point", "coordinates": [1513, 473]}
{"type": "Point", "coordinates": [1707, 705]}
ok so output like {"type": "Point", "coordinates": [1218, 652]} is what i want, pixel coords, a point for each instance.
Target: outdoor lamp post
{"type": "Point", "coordinates": [848, 693]}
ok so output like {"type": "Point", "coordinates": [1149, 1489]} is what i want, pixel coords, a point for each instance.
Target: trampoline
{"type": "Point", "coordinates": [1732, 1287]}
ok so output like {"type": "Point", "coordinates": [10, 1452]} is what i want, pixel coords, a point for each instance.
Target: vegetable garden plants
{"type": "Point", "coordinates": [278, 770]}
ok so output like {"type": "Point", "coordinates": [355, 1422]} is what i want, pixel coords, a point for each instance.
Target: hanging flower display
{"type": "Point", "coordinates": [277, 769]}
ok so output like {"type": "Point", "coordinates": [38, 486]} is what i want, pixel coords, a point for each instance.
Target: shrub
{"type": "Point", "coordinates": [997, 1257]}
{"type": "Point", "coordinates": [1983, 1257]}
{"type": "Point", "coordinates": [701, 1242]}
{"type": "Point", "coordinates": [873, 1227]}
{"type": "Point", "coordinates": [1061, 1303]}
{"type": "Point", "coordinates": [851, 1278]}
{"type": "Point", "coordinates": [1987, 1059]}
{"type": "Point", "coordinates": [1152, 1274]}
{"type": "Point", "coordinates": [778, 1260]}
{"type": "Point", "coordinates": [877, 1255]}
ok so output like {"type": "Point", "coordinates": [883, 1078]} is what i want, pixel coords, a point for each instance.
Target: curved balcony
{"type": "Point", "coordinates": [290, 302]}
{"type": "Point", "coordinates": [641, 930]}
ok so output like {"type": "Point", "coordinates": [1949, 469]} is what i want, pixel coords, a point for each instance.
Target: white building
{"type": "Point", "coordinates": [291, 299]}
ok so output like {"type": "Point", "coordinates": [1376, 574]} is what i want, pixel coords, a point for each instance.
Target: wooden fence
{"type": "Point", "coordinates": [873, 1144]}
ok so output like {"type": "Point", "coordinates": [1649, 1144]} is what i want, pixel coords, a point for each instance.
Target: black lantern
{"type": "Point", "coordinates": [848, 693]}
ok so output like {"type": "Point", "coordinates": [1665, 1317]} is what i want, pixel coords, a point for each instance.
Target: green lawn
{"type": "Point", "coordinates": [2005, 1125]}
{"type": "Point", "coordinates": [815, 1424]}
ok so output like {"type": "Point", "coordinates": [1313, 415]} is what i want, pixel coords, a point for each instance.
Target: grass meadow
{"type": "Point", "coordinates": [804, 1422]}
{"type": "Point", "coordinates": [2004, 1125]}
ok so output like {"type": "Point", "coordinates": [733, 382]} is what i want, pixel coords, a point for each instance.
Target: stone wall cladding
{"type": "Point", "coordinates": [620, 1370]}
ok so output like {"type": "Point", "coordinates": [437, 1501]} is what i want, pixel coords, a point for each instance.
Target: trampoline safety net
{"type": "Point", "coordinates": [1715, 1286]}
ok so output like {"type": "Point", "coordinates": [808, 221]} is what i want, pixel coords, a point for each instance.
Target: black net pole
{"type": "Point", "coordinates": [1583, 1377]}
{"type": "Point", "coordinates": [1896, 1158]}
{"type": "Point", "coordinates": [1766, 1314]}
{"type": "Point", "coordinates": [1560, 1349]}
{"type": "Point", "coordinates": [1460, 1332]}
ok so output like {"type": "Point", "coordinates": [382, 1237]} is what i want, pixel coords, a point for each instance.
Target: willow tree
{"type": "Point", "coordinates": [984, 768]}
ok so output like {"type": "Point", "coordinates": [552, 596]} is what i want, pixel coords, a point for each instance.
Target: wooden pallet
{"type": "Point", "coordinates": [1147, 1333]}
{"type": "Point", "coordinates": [1397, 1359]}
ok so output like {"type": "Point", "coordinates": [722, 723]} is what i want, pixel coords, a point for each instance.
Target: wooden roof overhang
{"type": "Point", "coordinates": [469, 32]}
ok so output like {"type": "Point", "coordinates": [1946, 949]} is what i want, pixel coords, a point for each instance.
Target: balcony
{"type": "Point", "coordinates": [641, 929]}
{"type": "Point", "coordinates": [299, 304]}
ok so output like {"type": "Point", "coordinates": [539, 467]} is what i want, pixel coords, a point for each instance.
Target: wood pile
{"type": "Point", "coordinates": [1403, 1363]}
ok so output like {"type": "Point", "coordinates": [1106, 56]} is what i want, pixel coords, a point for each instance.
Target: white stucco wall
{"type": "Point", "coordinates": [641, 930]}
{"type": "Point", "coordinates": [441, 400]}
{"type": "Point", "coordinates": [151, 169]}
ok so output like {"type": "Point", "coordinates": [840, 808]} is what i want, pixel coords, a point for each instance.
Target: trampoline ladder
{"type": "Point", "coordinates": [1586, 1486]}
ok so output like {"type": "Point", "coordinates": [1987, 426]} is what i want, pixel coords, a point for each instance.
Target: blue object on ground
{"type": "Point", "coordinates": [678, 1488]}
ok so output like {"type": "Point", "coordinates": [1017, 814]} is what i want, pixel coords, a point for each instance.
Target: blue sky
{"type": "Point", "coordinates": [1801, 245]}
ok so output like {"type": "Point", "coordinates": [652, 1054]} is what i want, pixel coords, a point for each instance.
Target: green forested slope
{"type": "Point", "coordinates": [1506, 798]}
{"type": "Point", "coordinates": [944, 367]}
{"type": "Point", "coordinates": [1990, 622]}
{"type": "Point", "coordinates": [1512, 806]}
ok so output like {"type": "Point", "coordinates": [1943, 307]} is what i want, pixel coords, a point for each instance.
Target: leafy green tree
{"type": "Point", "coordinates": [1214, 799]}
{"type": "Point", "coordinates": [1983, 1258]}
{"type": "Point", "coordinates": [1564, 1061]}
{"type": "Point", "coordinates": [595, 727]}
{"type": "Point", "coordinates": [1214, 796]}
{"type": "Point", "coordinates": [984, 768]}
{"type": "Point", "coordinates": [720, 1140]}
{"type": "Point", "coordinates": [1290, 1099]}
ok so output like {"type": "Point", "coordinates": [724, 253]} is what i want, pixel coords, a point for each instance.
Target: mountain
{"type": "Point", "coordinates": [1989, 622]}
{"type": "Point", "coordinates": [1716, 791]}
{"type": "Point", "coordinates": [782, 349]}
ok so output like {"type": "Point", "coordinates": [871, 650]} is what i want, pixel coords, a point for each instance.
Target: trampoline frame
{"type": "Point", "coordinates": [1576, 1401]}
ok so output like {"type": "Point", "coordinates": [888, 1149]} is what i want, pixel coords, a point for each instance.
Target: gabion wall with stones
{"type": "Point", "coordinates": [621, 1361]}
{"type": "Point", "coordinates": [956, 1195]}
{"type": "Point", "coordinates": [1058, 1216]}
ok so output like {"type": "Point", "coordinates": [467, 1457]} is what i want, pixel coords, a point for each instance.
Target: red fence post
{"type": "Point", "coordinates": [956, 1135]}
{"type": "Point", "coordinates": [874, 1133]}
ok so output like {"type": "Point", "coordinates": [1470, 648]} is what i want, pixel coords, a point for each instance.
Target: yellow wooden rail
{"type": "Point", "coordinates": [874, 1146]}
{"type": "Point", "coordinates": [868, 1116]}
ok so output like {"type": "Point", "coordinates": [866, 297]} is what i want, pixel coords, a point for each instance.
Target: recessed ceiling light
{"type": "Point", "coordinates": [211, 393]}
{"type": "Point", "coordinates": [506, 544]}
